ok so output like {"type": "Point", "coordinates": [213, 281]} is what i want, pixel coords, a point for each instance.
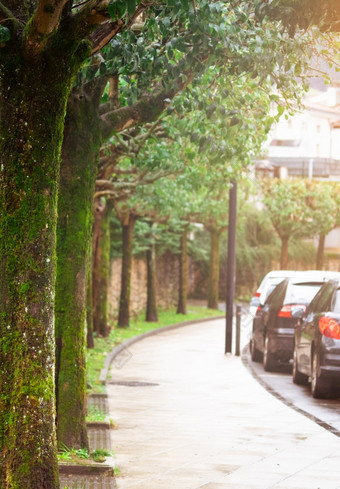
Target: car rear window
{"type": "Point", "coordinates": [301, 293]}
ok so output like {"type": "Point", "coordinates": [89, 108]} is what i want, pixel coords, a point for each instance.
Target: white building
{"type": "Point", "coordinates": [308, 144]}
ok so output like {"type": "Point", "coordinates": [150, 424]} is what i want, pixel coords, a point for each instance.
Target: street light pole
{"type": "Point", "coordinates": [231, 266]}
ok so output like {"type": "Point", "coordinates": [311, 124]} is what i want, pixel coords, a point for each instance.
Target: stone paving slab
{"type": "Point", "coordinates": [207, 423]}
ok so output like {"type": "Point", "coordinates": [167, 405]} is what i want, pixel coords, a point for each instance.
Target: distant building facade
{"type": "Point", "coordinates": [308, 145]}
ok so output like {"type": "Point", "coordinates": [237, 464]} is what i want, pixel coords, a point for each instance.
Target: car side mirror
{"type": "Point", "coordinates": [298, 312]}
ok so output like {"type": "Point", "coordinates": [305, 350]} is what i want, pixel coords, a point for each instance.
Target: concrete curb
{"type": "Point", "coordinates": [99, 469]}
{"type": "Point", "coordinates": [125, 344]}
{"type": "Point", "coordinates": [248, 364]}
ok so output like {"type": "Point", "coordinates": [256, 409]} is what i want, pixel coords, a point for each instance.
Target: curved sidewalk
{"type": "Point", "coordinates": [189, 417]}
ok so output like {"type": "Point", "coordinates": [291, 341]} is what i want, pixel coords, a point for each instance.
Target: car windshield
{"type": "Point", "coordinates": [301, 293]}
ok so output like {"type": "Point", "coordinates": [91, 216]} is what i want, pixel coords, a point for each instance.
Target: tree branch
{"type": "Point", "coordinates": [149, 107]}
{"type": "Point", "coordinates": [43, 22]}
{"type": "Point", "coordinates": [7, 17]}
{"type": "Point", "coordinates": [94, 14]}
{"type": "Point", "coordinates": [101, 36]}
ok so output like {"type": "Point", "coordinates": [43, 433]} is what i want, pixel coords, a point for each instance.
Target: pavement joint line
{"type": "Point", "coordinates": [260, 380]}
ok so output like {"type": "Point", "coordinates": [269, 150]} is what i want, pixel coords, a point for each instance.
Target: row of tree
{"type": "Point", "coordinates": [271, 214]}
{"type": "Point", "coordinates": [302, 208]}
{"type": "Point", "coordinates": [64, 98]}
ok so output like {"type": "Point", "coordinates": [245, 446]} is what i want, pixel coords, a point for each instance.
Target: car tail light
{"type": "Point", "coordinates": [329, 327]}
{"type": "Point", "coordinates": [286, 311]}
{"type": "Point", "coordinates": [257, 294]}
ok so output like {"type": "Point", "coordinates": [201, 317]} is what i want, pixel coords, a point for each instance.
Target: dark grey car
{"type": "Point", "coordinates": [317, 342]}
{"type": "Point", "coordinates": [274, 326]}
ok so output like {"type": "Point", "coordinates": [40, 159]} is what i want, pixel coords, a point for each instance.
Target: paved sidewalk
{"type": "Point", "coordinates": [189, 417]}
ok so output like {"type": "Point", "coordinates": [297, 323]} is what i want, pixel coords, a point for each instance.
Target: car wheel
{"type": "Point", "coordinates": [256, 355]}
{"type": "Point", "coordinates": [269, 361]}
{"type": "Point", "coordinates": [298, 377]}
{"type": "Point", "coordinates": [319, 387]}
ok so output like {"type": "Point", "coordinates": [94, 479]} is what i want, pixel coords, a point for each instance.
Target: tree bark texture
{"type": "Point", "coordinates": [33, 95]}
{"type": "Point", "coordinates": [284, 253]}
{"type": "Point", "coordinates": [101, 266]}
{"type": "Point", "coordinates": [183, 274]}
{"type": "Point", "coordinates": [74, 235]}
{"type": "Point", "coordinates": [320, 252]}
{"type": "Point", "coordinates": [214, 269]}
{"type": "Point", "coordinates": [151, 305]}
{"type": "Point", "coordinates": [89, 309]}
{"type": "Point", "coordinates": [124, 302]}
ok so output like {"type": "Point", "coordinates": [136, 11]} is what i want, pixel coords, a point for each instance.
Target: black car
{"type": "Point", "coordinates": [273, 325]}
{"type": "Point", "coordinates": [317, 342]}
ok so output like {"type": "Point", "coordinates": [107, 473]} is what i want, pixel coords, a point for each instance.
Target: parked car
{"type": "Point", "coordinates": [266, 286]}
{"type": "Point", "coordinates": [274, 324]}
{"type": "Point", "coordinates": [316, 353]}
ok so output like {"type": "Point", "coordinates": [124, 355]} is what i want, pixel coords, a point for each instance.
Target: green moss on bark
{"type": "Point", "coordinates": [74, 232]}
{"type": "Point", "coordinates": [33, 94]}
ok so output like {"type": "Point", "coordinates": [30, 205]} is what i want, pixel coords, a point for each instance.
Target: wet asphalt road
{"type": "Point", "coordinates": [325, 412]}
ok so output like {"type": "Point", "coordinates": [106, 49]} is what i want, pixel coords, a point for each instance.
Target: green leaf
{"type": "Point", "coordinates": [5, 34]}
{"type": "Point", "coordinates": [131, 6]}
{"type": "Point", "coordinates": [117, 8]}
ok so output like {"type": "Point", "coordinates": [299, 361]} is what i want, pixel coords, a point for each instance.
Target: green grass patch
{"type": "Point", "coordinates": [78, 456]}
{"type": "Point", "coordinates": [94, 414]}
{"type": "Point", "coordinates": [103, 346]}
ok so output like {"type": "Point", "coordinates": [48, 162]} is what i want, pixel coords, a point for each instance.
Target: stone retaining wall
{"type": "Point", "coordinates": [167, 283]}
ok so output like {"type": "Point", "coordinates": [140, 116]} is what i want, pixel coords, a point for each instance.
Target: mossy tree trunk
{"type": "Point", "coordinates": [89, 309]}
{"type": "Point", "coordinates": [214, 269]}
{"type": "Point", "coordinates": [33, 94]}
{"type": "Point", "coordinates": [183, 274]}
{"type": "Point", "coordinates": [284, 252]}
{"type": "Point", "coordinates": [74, 236]}
{"type": "Point", "coordinates": [320, 252]}
{"type": "Point", "coordinates": [128, 224]}
{"type": "Point", "coordinates": [151, 304]}
{"type": "Point", "coordinates": [101, 266]}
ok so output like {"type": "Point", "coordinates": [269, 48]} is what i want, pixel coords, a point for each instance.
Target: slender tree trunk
{"type": "Point", "coordinates": [284, 253]}
{"type": "Point", "coordinates": [183, 275]}
{"type": "Point", "coordinates": [124, 303]}
{"type": "Point", "coordinates": [74, 235]}
{"type": "Point", "coordinates": [320, 252]}
{"type": "Point", "coordinates": [214, 269]}
{"type": "Point", "coordinates": [151, 305]}
{"type": "Point", "coordinates": [33, 95]}
{"type": "Point", "coordinates": [101, 267]}
{"type": "Point", "coordinates": [89, 309]}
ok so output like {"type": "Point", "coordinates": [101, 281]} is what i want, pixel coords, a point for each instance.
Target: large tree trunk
{"type": "Point", "coordinates": [183, 275]}
{"type": "Point", "coordinates": [284, 253]}
{"type": "Point", "coordinates": [151, 304]}
{"type": "Point", "coordinates": [320, 252]}
{"type": "Point", "coordinates": [125, 292]}
{"type": "Point", "coordinates": [74, 235]}
{"type": "Point", "coordinates": [101, 267]}
{"type": "Point", "coordinates": [32, 106]}
{"type": "Point", "coordinates": [214, 269]}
